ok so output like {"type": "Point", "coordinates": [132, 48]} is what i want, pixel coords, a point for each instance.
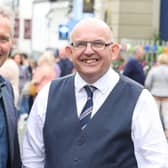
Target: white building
{"type": "Point", "coordinates": [38, 20]}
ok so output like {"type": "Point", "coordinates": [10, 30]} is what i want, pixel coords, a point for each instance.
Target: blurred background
{"type": "Point", "coordinates": [41, 31]}
{"type": "Point", "coordinates": [41, 24]}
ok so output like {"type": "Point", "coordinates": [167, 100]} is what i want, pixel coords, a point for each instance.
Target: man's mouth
{"type": "Point", "coordinates": [90, 61]}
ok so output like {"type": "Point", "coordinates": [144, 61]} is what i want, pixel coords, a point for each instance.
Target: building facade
{"type": "Point", "coordinates": [40, 20]}
{"type": "Point", "coordinates": [132, 19]}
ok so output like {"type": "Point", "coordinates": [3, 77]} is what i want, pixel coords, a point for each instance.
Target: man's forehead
{"type": "Point", "coordinates": [91, 24]}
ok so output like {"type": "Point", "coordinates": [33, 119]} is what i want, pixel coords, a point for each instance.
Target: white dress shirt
{"type": "Point", "coordinates": [151, 149]}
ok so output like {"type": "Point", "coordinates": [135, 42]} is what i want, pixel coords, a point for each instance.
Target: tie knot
{"type": "Point", "coordinates": [89, 90]}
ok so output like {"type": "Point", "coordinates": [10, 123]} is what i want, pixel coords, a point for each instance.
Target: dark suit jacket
{"type": "Point", "coordinates": [134, 70]}
{"type": "Point", "coordinates": [11, 119]}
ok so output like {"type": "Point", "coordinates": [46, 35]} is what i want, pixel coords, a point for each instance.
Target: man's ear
{"type": "Point", "coordinates": [68, 51]}
{"type": "Point", "coordinates": [115, 50]}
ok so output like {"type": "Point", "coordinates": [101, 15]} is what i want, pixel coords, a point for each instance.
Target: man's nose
{"type": "Point", "coordinates": [88, 48]}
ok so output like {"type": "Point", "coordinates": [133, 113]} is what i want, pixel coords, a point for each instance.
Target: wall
{"type": "Point", "coordinates": [136, 19]}
{"type": "Point", "coordinates": [24, 12]}
{"type": "Point", "coordinates": [133, 19]}
{"type": "Point", "coordinates": [46, 19]}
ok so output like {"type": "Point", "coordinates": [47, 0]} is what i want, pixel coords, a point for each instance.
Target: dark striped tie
{"type": "Point", "coordinates": [88, 107]}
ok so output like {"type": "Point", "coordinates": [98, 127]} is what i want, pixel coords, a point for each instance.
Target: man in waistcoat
{"type": "Point", "coordinates": [9, 147]}
{"type": "Point", "coordinates": [94, 118]}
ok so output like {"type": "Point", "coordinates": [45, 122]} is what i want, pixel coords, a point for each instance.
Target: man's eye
{"type": "Point", "coordinates": [98, 44]}
{"type": "Point", "coordinates": [81, 44]}
{"type": "Point", "coordinates": [4, 39]}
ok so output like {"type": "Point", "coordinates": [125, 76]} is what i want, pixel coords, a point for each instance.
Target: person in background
{"type": "Point", "coordinates": [46, 58]}
{"type": "Point", "coordinates": [64, 62]}
{"type": "Point", "coordinates": [15, 55]}
{"type": "Point", "coordinates": [43, 73]}
{"type": "Point", "coordinates": [49, 57]}
{"type": "Point", "coordinates": [9, 146]}
{"type": "Point", "coordinates": [94, 118]}
{"type": "Point", "coordinates": [10, 71]}
{"type": "Point", "coordinates": [25, 70]}
{"type": "Point", "coordinates": [134, 67]}
{"type": "Point", "coordinates": [119, 61]}
{"type": "Point", "coordinates": [54, 53]}
{"type": "Point", "coordinates": [157, 83]}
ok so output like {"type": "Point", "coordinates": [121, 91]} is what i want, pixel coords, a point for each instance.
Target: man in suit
{"type": "Point", "coordinates": [94, 118]}
{"type": "Point", "coordinates": [134, 66]}
{"type": "Point", "coordinates": [9, 147]}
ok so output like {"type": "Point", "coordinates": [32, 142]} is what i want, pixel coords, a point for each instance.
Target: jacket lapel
{"type": "Point", "coordinates": [10, 117]}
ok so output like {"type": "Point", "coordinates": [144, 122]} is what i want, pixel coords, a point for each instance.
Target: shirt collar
{"type": "Point", "coordinates": [109, 79]}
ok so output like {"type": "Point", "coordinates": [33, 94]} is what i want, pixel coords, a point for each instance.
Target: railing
{"type": "Point", "coordinates": [152, 48]}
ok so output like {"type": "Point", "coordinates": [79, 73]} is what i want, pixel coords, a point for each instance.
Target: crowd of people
{"type": "Point", "coordinates": [82, 110]}
{"type": "Point", "coordinates": [28, 75]}
{"type": "Point", "coordinates": [154, 79]}
{"type": "Point", "coordinates": [157, 83]}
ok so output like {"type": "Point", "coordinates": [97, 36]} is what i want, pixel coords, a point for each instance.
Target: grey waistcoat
{"type": "Point", "coordinates": [106, 141]}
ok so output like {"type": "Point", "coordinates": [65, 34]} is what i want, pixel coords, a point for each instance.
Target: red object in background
{"type": "Point", "coordinates": [16, 28]}
{"type": "Point", "coordinates": [27, 28]}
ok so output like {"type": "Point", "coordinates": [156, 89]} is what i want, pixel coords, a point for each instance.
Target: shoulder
{"type": "Point", "coordinates": [130, 63]}
{"type": "Point", "coordinates": [131, 84]}
{"type": "Point", "coordinates": [130, 81]}
{"type": "Point", "coordinates": [62, 80]}
{"type": "Point", "coordinates": [7, 88]}
{"type": "Point", "coordinates": [132, 60]}
{"type": "Point", "coordinates": [5, 81]}
{"type": "Point", "coordinates": [54, 85]}
{"type": "Point", "coordinates": [155, 70]}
